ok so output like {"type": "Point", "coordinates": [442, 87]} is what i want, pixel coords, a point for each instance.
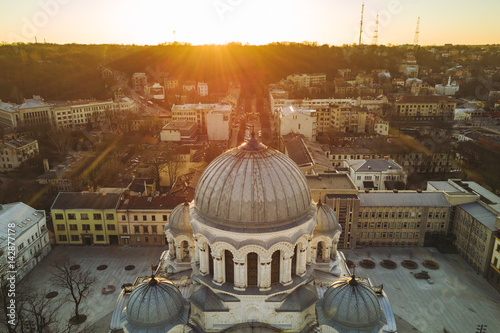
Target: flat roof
{"type": "Point", "coordinates": [86, 200]}
{"type": "Point", "coordinates": [373, 165]}
{"type": "Point", "coordinates": [147, 202]}
{"type": "Point", "coordinates": [339, 181]}
{"type": "Point", "coordinates": [20, 142]}
{"type": "Point", "coordinates": [483, 215]}
{"type": "Point", "coordinates": [444, 186]}
{"type": "Point", "coordinates": [403, 199]}
{"type": "Point", "coordinates": [493, 200]}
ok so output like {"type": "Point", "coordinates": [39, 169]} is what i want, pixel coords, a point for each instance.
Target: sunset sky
{"type": "Point", "coordinates": [333, 22]}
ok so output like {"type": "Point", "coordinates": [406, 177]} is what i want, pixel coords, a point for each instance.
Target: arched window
{"type": "Point", "coordinates": [210, 261]}
{"type": "Point", "coordinates": [185, 251]}
{"type": "Point", "coordinates": [294, 261]}
{"type": "Point", "coordinates": [319, 251]}
{"type": "Point", "coordinates": [275, 267]}
{"type": "Point", "coordinates": [229, 263]}
{"type": "Point", "coordinates": [252, 269]}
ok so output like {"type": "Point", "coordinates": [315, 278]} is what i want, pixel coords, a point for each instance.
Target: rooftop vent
{"type": "Point", "coordinates": [419, 191]}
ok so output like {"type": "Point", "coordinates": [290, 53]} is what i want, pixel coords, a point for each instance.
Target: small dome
{"type": "Point", "coordinates": [252, 184]}
{"type": "Point", "coordinates": [154, 304]}
{"type": "Point", "coordinates": [350, 304]}
{"type": "Point", "coordinates": [327, 221]}
{"type": "Point", "coordinates": [179, 220]}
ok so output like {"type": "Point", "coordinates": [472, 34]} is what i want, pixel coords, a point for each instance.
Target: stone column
{"type": "Point", "coordinates": [239, 274]}
{"type": "Point", "coordinates": [308, 254]}
{"type": "Point", "coordinates": [314, 254]}
{"type": "Point", "coordinates": [218, 273]}
{"type": "Point", "coordinates": [286, 270]}
{"type": "Point", "coordinates": [327, 252]}
{"type": "Point", "coordinates": [265, 274]}
{"type": "Point", "coordinates": [196, 253]}
{"type": "Point", "coordinates": [171, 249]}
{"type": "Point", "coordinates": [203, 261]}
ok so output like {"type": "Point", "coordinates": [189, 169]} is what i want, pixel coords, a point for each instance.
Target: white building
{"type": "Point", "coordinates": [16, 152]}
{"type": "Point", "coordinates": [219, 123]}
{"type": "Point", "coordinates": [375, 174]}
{"type": "Point", "coordinates": [298, 120]}
{"type": "Point", "coordinates": [197, 113]}
{"type": "Point", "coordinates": [449, 90]}
{"type": "Point", "coordinates": [202, 89]}
{"type": "Point", "coordinates": [32, 112]}
{"type": "Point", "coordinates": [155, 91]}
{"type": "Point", "coordinates": [307, 80]}
{"type": "Point", "coordinates": [26, 228]}
{"type": "Point", "coordinates": [381, 127]}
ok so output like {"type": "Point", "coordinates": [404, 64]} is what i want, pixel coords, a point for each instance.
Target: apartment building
{"type": "Point", "coordinates": [293, 119]}
{"type": "Point", "coordinates": [219, 124]}
{"type": "Point", "coordinates": [141, 220]}
{"type": "Point", "coordinates": [15, 153]}
{"type": "Point", "coordinates": [139, 82]}
{"type": "Point", "coordinates": [494, 269]}
{"type": "Point", "coordinates": [402, 218]}
{"type": "Point", "coordinates": [85, 218]}
{"type": "Point", "coordinates": [307, 80]}
{"type": "Point", "coordinates": [29, 228]}
{"type": "Point", "coordinates": [155, 91]}
{"type": "Point", "coordinates": [180, 131]}
{"type": "Point", "coordinates": [198, 113]}
{"type": "Point", "coordinates": [202, 88]}
{"type": "Point", "coordinates": [171, 83]}
{"type": "Point", "coordinates": [425, 108]}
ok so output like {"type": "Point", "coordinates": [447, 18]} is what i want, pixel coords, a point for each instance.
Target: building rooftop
{"type": "Point", "coordinates": [147, 202]}
{"type": "Point", "coordinates": [403, 199]}
{"type": "Point", "coordinates": [23, 217]}
{"type": "Point", "coordinates": [291, 109]}
{"type": "Point", "coordinates": [423, 99]}
{"type": "Point", "coordinates": [444, 186]}
{"type": "Point", "coordinates": [480, 213]}
{"type": "Point", "coordinates": [20, 142]}
{"type": "Point", "coordinates": [305, 153]}
{"type": "Point", "coordinates": [86, 200]}
{"type": "Point", "coordinates": [330, 181]}
{"type": "Point", "coordinates": [372, 165]}
{"type": "Point", "coordinates": [179, 125]}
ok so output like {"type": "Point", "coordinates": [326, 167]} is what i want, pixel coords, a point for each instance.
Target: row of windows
{"type": "Point", "coordinates": [400, 215]}
{"type": "Point", "coordinates": [389, 235]}
{"type": "Point", "coordinates": [145, 229]}
{"type": "Point", "coordinates": [84, 216]}
{"type": "Point", "coordinates": [145, 218]}
{"type": "Point", "coordinates": [399, 225]}
{"type": "Point", "coordinates": [74, 227]}
{"type": "Point", "coordinates": [76, 238]}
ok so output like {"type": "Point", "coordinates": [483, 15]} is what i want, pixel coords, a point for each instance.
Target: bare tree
{"type": "Point", "coordinates": [39, 312]}
{"type": "Point", "coordinates": [173, 166]}
{"type": "Point", "coordinates": [78, 283]}
{"type": "Point", "coordinates": [60, 138]}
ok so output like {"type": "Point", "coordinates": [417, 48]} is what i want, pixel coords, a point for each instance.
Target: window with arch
{"type": "Point", "coordinates": [252, 269]}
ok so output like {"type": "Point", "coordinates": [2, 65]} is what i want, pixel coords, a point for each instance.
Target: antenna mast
{"type": "Point", "coordinates": [361, 23]}
{"type": "Point", "coordinates": [375, 34]}
{"type": "Point", "coordinates": [415, 40]}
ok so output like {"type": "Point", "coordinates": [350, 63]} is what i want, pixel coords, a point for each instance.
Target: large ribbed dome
{"type": "Point", "coordinates": [154, 304]}
{"type": "Point", "coordinates": [350, 305]}
{"type": "Point", "coordinates": [252, 184]}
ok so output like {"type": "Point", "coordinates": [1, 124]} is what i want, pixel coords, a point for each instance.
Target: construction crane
{"type": "Point", "coordinates": [415, 40]}
{"type": "Point", "coordinates": [375, 34]}
{"type": "Point", "coordinates": [361, 23]}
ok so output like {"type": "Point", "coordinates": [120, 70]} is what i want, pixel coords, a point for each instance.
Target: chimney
{"type": "Point", "coordinates": [46, 166]}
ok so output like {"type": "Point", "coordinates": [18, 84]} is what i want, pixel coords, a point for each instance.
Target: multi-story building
{"type": "Point", "coordinates": [400, 218]}
{"type": "Point", "coordinates": [85, 218]}
{"type": "Point", "coordinates": [202, 89]}
{"type": "Point", "coordinates": [198, 113]}
{"type": "Point", "coordinates": [141, 220]}
{"type": "Point", "coordinates": [376, 174]}
{"type": "Point", "coordinates": [339, 192]}
{"type": "Point", "coordinates": [308, 155]}
{"type": "Point", "coordinates": [139, 82]}
{"type": "Point", "coordinates": [32, 112]}
{"type": "Point", "coordinates": [425, 108]}
{"type": "Point", "coordinates": [155, 91]}
{"type": "Point", "coordinates": [494, 269]}
{"type": "Point", "coordinates": [180, 131]}
{"type": "Point", "coordinates": [189, 86]}
{"type": "Point", "coordinates": [219, 124]}
{"type": "Point", "coordinates": [28, 227]}
{"type": "Point", "coordinates": [409, 67]}
{"type": "Point", "coordinates": [307, 80]}
{"type": "Point", "coordinates": [292, 119]}
{"type": "Point", "coordinates": [171, 83]}
{"type": "Point", "coordinates": [16, 152]}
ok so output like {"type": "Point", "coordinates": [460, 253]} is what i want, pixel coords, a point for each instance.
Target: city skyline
{"type": "Point", "coordinates": [222, 21]}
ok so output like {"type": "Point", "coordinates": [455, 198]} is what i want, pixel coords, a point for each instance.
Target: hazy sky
{"type": "Point", "coordinates": [253, 21]}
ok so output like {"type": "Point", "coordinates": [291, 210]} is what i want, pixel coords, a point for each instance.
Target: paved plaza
{"type": "Point", "coordinates": [458, 300]}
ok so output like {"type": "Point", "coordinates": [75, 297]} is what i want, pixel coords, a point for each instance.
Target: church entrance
{"type": "Point", "coordinates": [210, 262]}
{"type": "Point", "coordinates": [229, 263]}
{"type": "Point", "coordinates": [275, 267]}
{"type": "Point", "coordinates": [252, 269]}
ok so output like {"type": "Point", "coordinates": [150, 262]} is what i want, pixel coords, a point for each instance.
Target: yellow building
{"type": "Point", "coordinates": [16, 152]}
{"type": "Point", "coordinates": [85, 218]}
{"type": "Point", "coordinates": [425, 108]}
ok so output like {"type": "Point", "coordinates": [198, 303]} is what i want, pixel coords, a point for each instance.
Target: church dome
{"type": "Point", "coordinates": [327, 221]}
{"type": "Point", "coordinates": [252, 186]}
{"type": "Point", "coordinates": [351, 305]}
{"type": "Point", "coordinates": [154, 304]}
{"type": "Point", "coordinates": [179, 220]}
